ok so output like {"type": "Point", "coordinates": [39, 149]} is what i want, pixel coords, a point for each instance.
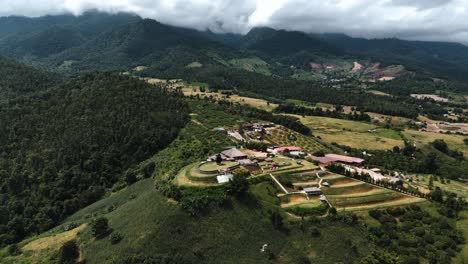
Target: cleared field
{"type": "Point", "coordinates": [292, 138]}
{"type": "Point", "coordinates": [319, 122]}
{"type": "Point", "coordinates": [378, 93]}
{"type": "Point", "coordinates": [301, 201]}
{"type": "Point", "coordinates": [54, 241]}
{"type": "Point", "coordinates": [364, 199]}
{"type": "Point", "coordinates": [350, 189]}
{"type": "Point", "coordinates": [421, 137]}
{"type": "Point", "coordinates": [194, 64]}
{"type": "Point", "coordinates": [394, 120]}
{"type": "Point", "coordinates": [352, 133]}
{"type": "Point", "coordinates": [194, 89]}
{"type": "Point", "coordinates": [390, 203]}
{"type": "Point", "coordinates": [251, 64]}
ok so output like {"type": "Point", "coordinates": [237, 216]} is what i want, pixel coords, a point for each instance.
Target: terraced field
{"type": "Point", "coordinates": [350, 194]}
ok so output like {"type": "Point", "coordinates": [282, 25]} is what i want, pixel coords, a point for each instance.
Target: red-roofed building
{"type": "Point", "coordinates": [329, 158]}
{"type": "Point", "coordinates": [282, 149]}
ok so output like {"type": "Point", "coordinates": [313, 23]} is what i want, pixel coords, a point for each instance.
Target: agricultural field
{"type": "Point", "coordinates": [291, 138]}
{"type": "Point", "coordinates": [352, 133]}
{"type": "Point", "coordinates": [255, 64]}
{"type": "Point", "coordinates": [454, 142]}
{"type": "Point", "coordinates": [352, 195]}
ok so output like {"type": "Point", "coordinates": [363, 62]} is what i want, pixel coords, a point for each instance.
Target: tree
{"type": "Point", "coordinates": [100, 227]}
{"type": "Point", "coordinates": [69, 252]}
{"type": "Point", "coordinates": [319, 153]}
{"type": "Point", "coordinates": [219, 159]}
{"type": "Point", "coordinates": [431, 183]}
{"type": "Point", "coordinates": [440, 145]}
{"type": "Point", "coordinates": [238, 186]}
{"type": "Point", "coordinates": [429, 164]}
{"type": "Point", "coordinates": [277, 220]}
{"type": "Point", "coordinates": [130, 177]}
{"type": "Point", "coordinates": [241, 172]}
{"type": "Point", "coordinates": [437, 195]}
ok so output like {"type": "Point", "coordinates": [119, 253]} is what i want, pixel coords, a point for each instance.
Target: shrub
{"type": "Point", "coordinates": [277, 220]}
{"type": "Point", "coordinates": [315, 232]}
{"type": "Point", "coordinates": [375, 213]}
{"type": "Point", "coordinates": [69, 252]}
{"type": "Point", "coordinates": [14, 250]}
{"type": "Point", "coordinates": [100, 227]}
{"type": "Point", "coordinates": [115, 238]}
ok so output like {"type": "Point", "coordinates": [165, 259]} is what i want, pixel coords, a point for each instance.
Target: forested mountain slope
{"type": "Point", "coordinates": [17, 79]}
{"type": "Point", "coordinates": [28, 39]}
{"type": "Point", "coordinates": [61, 150]}
{"type": "Point", "coordinates": [141, 43]}
{"type": "Point", "coordinates": [444, 59]}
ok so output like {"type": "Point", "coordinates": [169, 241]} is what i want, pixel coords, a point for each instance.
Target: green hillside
{"type": "Point", "coordinates": [64, 149]}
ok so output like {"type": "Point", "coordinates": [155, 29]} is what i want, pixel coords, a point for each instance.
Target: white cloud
{"type": "Point", "coordinates": [410, 19]}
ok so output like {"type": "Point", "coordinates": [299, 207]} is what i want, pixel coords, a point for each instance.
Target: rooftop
{"type": "Point", "coordinates": [335, 157]}
{"type": "Point", "coordinates": [233, 153]}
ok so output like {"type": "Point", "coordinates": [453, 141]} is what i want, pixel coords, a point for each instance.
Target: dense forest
{"type": "Point", "coordinates": [17, 79]}
{"type": "Point", "coordinates": [62, 149]}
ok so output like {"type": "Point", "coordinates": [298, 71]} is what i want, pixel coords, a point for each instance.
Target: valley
{"type": "Point", "coordinates": [126, 140]}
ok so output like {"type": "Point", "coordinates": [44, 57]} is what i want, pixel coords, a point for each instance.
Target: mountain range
{"type": "Point", "coordinates": [97, 41]}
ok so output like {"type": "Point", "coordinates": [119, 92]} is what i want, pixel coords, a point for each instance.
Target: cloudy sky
{"type": "Point", "coordinates": [409, 19]}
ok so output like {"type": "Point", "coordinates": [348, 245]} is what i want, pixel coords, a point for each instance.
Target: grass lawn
{"type": "Point", "coordinates": [359, 140]}
{"type": "Point", "coordinates": [212, 166]}
{"type": "Point", "coordinates": [182, 177]}
{"type": "Point", "coordinates": [352, 133]}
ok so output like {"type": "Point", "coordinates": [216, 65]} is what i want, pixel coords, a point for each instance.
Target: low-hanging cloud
{"type": "Point", "coordinates": [409, 19]}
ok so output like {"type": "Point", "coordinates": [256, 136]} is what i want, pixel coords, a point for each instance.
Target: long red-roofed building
{"type": "Point", "coordinates": [329, 158]}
